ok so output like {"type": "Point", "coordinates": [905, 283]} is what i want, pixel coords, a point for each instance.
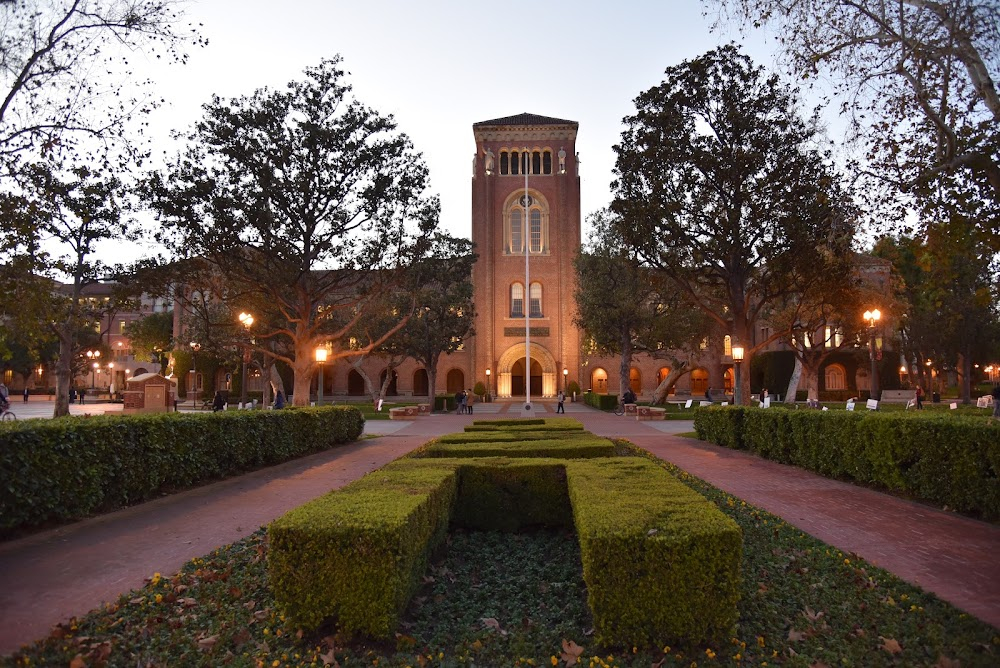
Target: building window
{"type": "Point", "coordinates": [516, 163]}
{"type": "Point", "coordinates": [835, 377]}
{"type": "Point", "coordinates": [516, 232]}
{"type": "Point", "coordinates": [536, 231]}
{"type": "Point", "coordinates": [121, 326]}
{"type": "Point", "coordinates": [536, 300]}
{"type": "Point", "coordinates": [727, 344]}
{"type": "Point", "coordinates": [517, 300]}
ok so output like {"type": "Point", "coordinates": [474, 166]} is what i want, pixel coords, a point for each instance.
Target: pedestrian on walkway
{"type": "Point", "coordinates": [218, 402]}
{"type": "Point", "coordinates": [996, 404]}
{"type": "Point", "coordinates": [561, 398]}
{"type": "Point", "coordinates": [459, 403]}
{"type": "Point", "coordinates": [919, 396]}
{"type": "Point", "coordinates": [25, 395]}
{"type": "Point", "coordinates": [72, 395]}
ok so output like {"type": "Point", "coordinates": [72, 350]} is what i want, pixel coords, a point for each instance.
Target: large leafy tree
{"type": "Point", "coordinates": [721, 189]}
{"type": "Point", "coordinates": [916, 78]}
{"type": "Point", "coordinates": [66, 73]}
{"type": "Point", "coordinates": [151, 337]}
{"type": "Point", "coordinates": [306, 198]}
{"type": "Point", "coordinates": [625, 308]}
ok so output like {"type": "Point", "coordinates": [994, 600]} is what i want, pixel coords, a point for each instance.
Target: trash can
{"type": "Point", "coordinates": [935, 397]}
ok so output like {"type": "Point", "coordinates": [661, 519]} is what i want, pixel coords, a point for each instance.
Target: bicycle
{"type": "Point", "coordinates": [7, 415]}
{"type": "Point", "coordinates": [620, 408]}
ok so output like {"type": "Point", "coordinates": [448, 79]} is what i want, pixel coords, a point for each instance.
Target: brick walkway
{"type": "Point", "coordinates": [51, 576]}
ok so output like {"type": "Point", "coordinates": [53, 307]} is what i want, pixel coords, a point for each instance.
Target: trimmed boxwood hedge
{"type": "Point", "coordinates": [69, 468]}
{"type": "Point", "coordinates": [573, 447]}
{"type": "Point", "coordinates": [949, 460]}
{"type": "Point", "coordinates": [660, 561]}
{"type": "Point", "coordinates": [528, 424]}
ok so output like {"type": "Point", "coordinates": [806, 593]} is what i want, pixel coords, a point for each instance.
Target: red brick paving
{"type": "Point", "coordinates": [51, 576]}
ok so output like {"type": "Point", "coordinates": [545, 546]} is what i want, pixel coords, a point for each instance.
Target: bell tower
{"type": "Point", "coordinates": [526, 228]}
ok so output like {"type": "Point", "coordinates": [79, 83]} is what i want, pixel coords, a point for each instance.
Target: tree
{"type": "Point", "coordinates": [70, 211]}
{"type": "Point", "coordinates": [308, 200]}
{"type": "Point", "coordinates": [51, 98]}
{"type": "Point", "coordinates": [151, 337]}
{"type": "Point", "coordinates": [720, 189]}
{"type": "Point", "coordinates": [441, 285]}
{"type": "Point", "coordinates": [917, 78]}
{"type": "Point", "coordinates": [625, 308]}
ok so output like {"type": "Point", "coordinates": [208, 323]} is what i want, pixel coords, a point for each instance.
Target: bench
{"type": "Point", "coordinates": [897, 396]}
{"type": "Point", "coordinates": [403, 412]}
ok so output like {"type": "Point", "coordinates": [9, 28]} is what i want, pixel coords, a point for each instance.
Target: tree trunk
{"type": "Point", "coordinates": [793, 382]}
{"type": "Point", "coordinates": [965, 369]}
{"type": "Point", "coordinates": [626, 364]}
{"type": "Point", "coordinates": [663, 389]}
{"type": "Point", "coordinates": [64, 371]}
{"type": "Point", "coordinates": [303, 371]}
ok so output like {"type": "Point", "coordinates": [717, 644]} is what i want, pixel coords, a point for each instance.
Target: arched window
{"type": "Point", "coordinates": [835, 377]}
{"type": "Point", "coordinates": [635, 380]}
{"type": "Point", "coordinates": [517, 300]}
{"type": "Point", "coordinates": [547, 162]}
{"type": "Point", "coordinates": [516, 232]}
{"type": "Point", "coordinates": [536, 162]}
{"type": "Point", "coordinates": [515, 163]}
{"type": "Point", "coordinates": [536, 300]}
{"type": "Point", "coordinates": [504, 162]}
{"type": "Point", "coordinates": [727, 345]}
{"type": "Point", "coordinates": [420, 383]}
{"type": "Point", "coordinates": [536, 231]}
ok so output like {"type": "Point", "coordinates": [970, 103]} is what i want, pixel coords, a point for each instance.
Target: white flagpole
{"type": "Point", "coordinates": [527, 289]}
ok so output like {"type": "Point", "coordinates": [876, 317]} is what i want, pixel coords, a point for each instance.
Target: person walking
{"type": "Point", "coordinates": [459, 407]}
{"type": "Point", "coordinates": [919, 397]}
{"type": "Point", "coordinates": [72, 395]}
{"type": "Point", "coordinates": [218, 402]}
{"type": "Point", "coordinates": [561, 399]}
{"type": "Point", "coordinates": [25, 395]}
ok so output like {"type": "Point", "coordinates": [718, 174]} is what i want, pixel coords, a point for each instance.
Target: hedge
{"type": "Point", "coordinates": [660, 561]}
{"type": "Point", "coordinates": [948, 460]}
{"type": "Point", "coordinates": [570, 448]}
{"type": "Point", "coordinates": [69, 468]}
{"type": "Point", "coordinates": [604, 402]}
{"type": "Point", "coordinates": [492, 436]}
{"type": "Point", "coordinates": [528, 424]}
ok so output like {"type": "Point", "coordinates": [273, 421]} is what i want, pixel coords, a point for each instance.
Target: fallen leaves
{"type": "Point", "coordinates": [890, 645]}
{"type": "Point", "coordinates": [571, 652]}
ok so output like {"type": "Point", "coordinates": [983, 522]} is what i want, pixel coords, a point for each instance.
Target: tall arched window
{"type": "Point", "coordinates": [536, 231]}
{"type": "Point", "coordinates": [536, 300]}
{"type": "Point", "coordinates": [516, 232]}
{"type": "Point", "coordinates": [727, 346]}
{"type": "Point", "coordinates": [517, 300]}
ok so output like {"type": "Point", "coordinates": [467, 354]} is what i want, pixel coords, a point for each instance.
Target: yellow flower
{"type": "Point", "coordinates": [159, 598]}
{"type": "Point", "coordinates": [760, 640]}
{"type": "Point", "coordinates": [847, 562]}
{"type": "Point", "coordinates": [554, 660]}
{"type": "Point", "coordinates": [709, 653]}
{"type": "Point", "coordinates": [666, 650]}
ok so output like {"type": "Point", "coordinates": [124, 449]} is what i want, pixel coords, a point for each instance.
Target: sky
{"type": "Point", "coordinates": [439, 66]}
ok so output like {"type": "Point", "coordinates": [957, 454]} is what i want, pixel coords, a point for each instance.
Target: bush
{"type": "Point", "coordinates": [604, 402]}
{"type": "Point", "coordinates": [661, 562]}
{"type": "Point", "coordinates": [68, 468]}
{"type": "Point", "coordinates": [950, 460]}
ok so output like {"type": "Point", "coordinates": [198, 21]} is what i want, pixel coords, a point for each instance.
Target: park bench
{"type": "Point", "coordinates": [897, 396]}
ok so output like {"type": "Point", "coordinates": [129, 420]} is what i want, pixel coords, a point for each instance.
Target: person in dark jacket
{"type": "Point", "coordinates": [218, 402]}
{"type": "Point", "coordinates": [279, 400]}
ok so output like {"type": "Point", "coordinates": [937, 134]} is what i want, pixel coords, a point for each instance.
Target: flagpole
{"type": "Point", "coordinates": [527, 289]}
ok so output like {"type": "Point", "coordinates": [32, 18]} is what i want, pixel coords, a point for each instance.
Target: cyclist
{"type": "Point", "coordinates": [4, 396]}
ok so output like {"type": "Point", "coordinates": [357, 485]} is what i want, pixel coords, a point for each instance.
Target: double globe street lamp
{"type": "Point", "coordinates": [872, 317]}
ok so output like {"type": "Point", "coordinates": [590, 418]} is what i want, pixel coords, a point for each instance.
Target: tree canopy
{"type": "Point", "coordinates": [917, 78]}
{"type": "Point", "coordinates": [720, 187]}
{"type": "Point", "coordinates": [309, 200]}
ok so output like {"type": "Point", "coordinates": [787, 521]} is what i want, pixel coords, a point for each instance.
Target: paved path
{"type": "Point", "coordinates": [53, 575]}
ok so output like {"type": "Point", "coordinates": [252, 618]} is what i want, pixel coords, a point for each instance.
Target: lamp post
{"type": "Point", "coordinates": [565, 378]}
{"type": "Point", "coordinates": [195, 347]}
{"type": "Point", "coordinates": [489, 388]}
{"type": "Point", "coordinates": [738, 388]}
{"type": "Point", "coordinates": [320, 359]}
{"type": "Point", "coordinates": [902, 372]}
{"type": "Point", "coordinates": [94, 355]}
{"type": "Point", "coordinates": [246, 320]}
{"type": "Point", "coordinates": [872, 317]}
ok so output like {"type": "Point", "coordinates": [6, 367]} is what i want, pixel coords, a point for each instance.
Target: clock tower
{"type": "Point", "coordinates": [526, 229]}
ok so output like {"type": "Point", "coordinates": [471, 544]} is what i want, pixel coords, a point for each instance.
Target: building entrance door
{"type": "Point", "coordinates": [517, 378]}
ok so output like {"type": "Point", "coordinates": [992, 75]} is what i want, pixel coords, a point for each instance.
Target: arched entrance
{"type": "Point", "coordinates": [699, 381]}
{"type": "Point", "coordinates": [599, 381]}
{"type": "Point", "coordinates": [517, 378]}
{"type": "Point", "coordinates": [420, 383]}
{"type": "Point", "coordinates": [355, 384]}
{"type": "Point", "coordinates": [543, 372]}
{"type": "Point", "coordinates": [456, 381]}
{"type": "Point", "coordinates": [635, 380]}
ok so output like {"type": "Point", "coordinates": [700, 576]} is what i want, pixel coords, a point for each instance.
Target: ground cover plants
{"type": "Point", "coordinates": [494, 599]}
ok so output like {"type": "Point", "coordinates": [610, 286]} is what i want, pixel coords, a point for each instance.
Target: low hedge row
{"type": "Point", "coordinates": [534, 424]}
{"type": "Point", "coordinates": [68, 468]}
{"type": "Point", "coordinates": [570, 448]}
{"type": "Point", "coordinates": [660, 561]}
{"type": "Point", "coordinates": [949, 460]}
{"type": "Point", "coordinates": [503, 436]}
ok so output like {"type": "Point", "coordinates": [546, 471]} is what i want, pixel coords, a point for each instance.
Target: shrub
{"type": "Point", "coordinates": [68, 468]}
{"type": "Point", "coordinates": [951, 460]}
{"type": "Point", "coordinates": [604, 402]}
